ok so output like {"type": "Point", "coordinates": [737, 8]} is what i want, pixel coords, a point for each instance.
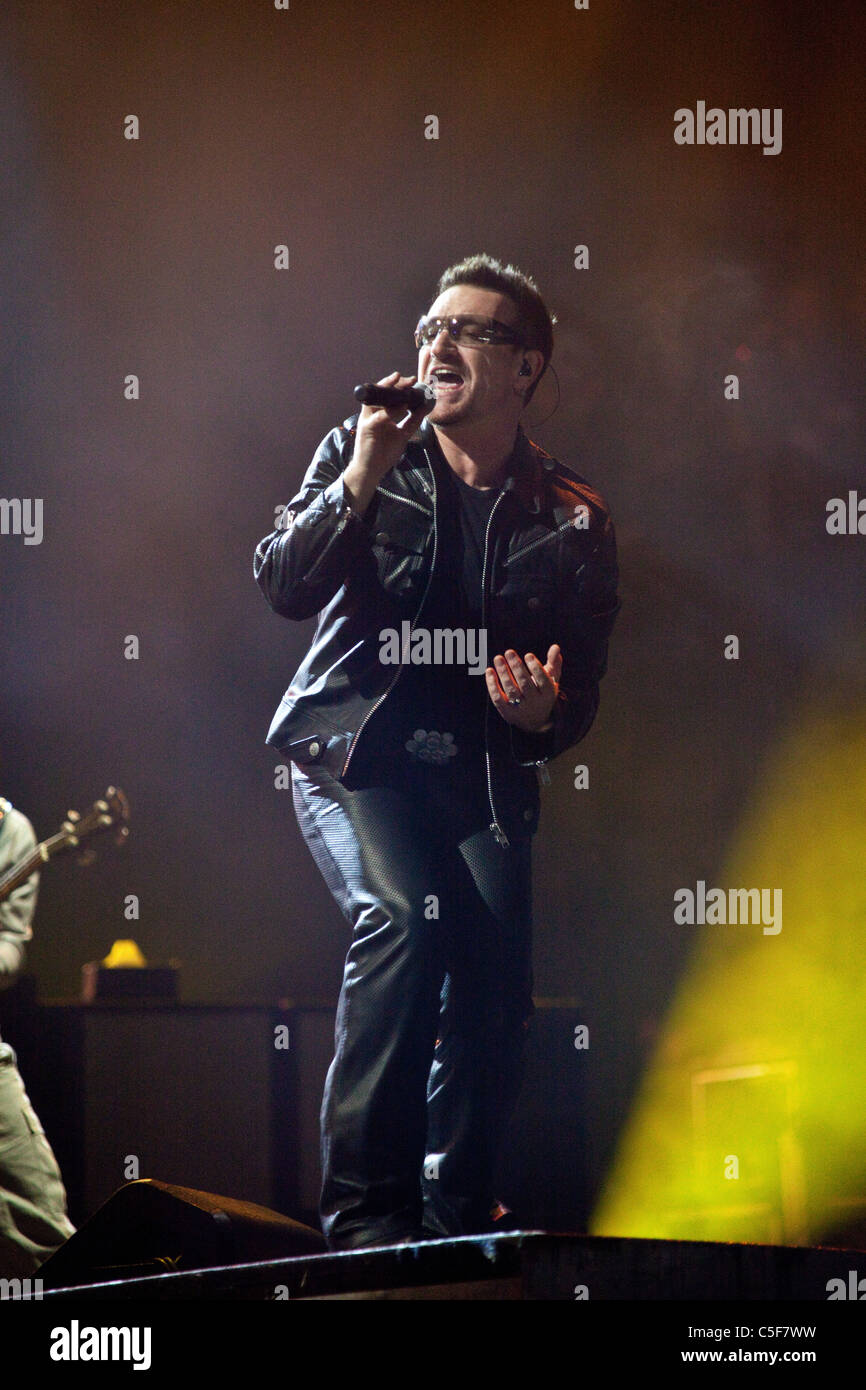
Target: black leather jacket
{"type": "Point", "coordinates": [550, 575]}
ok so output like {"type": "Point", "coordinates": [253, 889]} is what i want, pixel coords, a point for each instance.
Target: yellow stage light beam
{"type": "Point", "coordinates": [751, 1120]}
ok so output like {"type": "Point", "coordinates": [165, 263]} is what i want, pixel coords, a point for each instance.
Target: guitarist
{"type": "Point", "coordinates": [33, 1219]}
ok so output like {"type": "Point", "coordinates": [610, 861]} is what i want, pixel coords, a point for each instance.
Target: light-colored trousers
{"type": "Point", "coordinates": [33, 1219]}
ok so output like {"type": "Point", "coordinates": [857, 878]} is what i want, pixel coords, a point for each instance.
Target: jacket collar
{"type": "Point", "coordinates": [524, 470]}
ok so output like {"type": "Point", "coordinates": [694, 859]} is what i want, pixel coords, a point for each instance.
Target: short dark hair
{"type": "Point", "coordinates": [487, 273]}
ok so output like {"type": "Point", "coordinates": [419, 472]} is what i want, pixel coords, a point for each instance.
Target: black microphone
{"type": "Point", "coordinates": [413, 397]}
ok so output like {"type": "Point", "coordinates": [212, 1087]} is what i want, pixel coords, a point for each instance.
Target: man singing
{"type": "Point", "coordinates": [490, 570]}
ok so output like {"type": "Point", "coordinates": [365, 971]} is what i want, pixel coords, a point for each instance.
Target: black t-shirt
{"type": "Point", "coordinates": [434, 715]}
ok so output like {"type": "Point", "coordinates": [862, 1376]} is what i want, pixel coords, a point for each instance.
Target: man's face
{"type": "Point", "coordinates": [474, 383]}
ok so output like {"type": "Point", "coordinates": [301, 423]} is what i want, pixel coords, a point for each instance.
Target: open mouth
{"type": "Point", "coordinates": [444, 380]}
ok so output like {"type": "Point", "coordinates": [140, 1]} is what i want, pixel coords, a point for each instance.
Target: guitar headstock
{"type": "Point", "coordinates": [110, 812]}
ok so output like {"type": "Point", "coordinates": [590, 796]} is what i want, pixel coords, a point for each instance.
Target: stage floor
{"type": "Point", "coordinates": [517, 1265]}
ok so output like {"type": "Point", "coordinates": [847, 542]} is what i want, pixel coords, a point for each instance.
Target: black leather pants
{"type": "Point", "coordinates": [434, 1007]}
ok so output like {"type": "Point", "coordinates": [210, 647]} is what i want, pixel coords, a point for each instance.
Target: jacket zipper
{"type": "Point", "coordinates": [498, 833]}
{"type": "Point", "coordinates": [407, 501]}
{"type": "Point", "coordinates": [353, 745]}
{"type": "Point", "coordinates": [540, 540]}
{"type": "Point", "coordinates": [540, 763]}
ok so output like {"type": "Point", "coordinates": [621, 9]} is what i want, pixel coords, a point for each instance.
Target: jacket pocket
{"type": "Point", "coordinates": [306, 750]}
{"type": "Point", "coordinates": [399, 560]}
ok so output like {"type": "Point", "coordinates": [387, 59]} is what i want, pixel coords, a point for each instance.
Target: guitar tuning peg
{"type": "Point", "coordinates": [102, 806]}
{"type": "Point", "coordinates": [73, 816]}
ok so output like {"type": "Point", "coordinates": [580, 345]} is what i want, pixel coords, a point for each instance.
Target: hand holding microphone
{"type": "Point", "coordinates": [395, 407]}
